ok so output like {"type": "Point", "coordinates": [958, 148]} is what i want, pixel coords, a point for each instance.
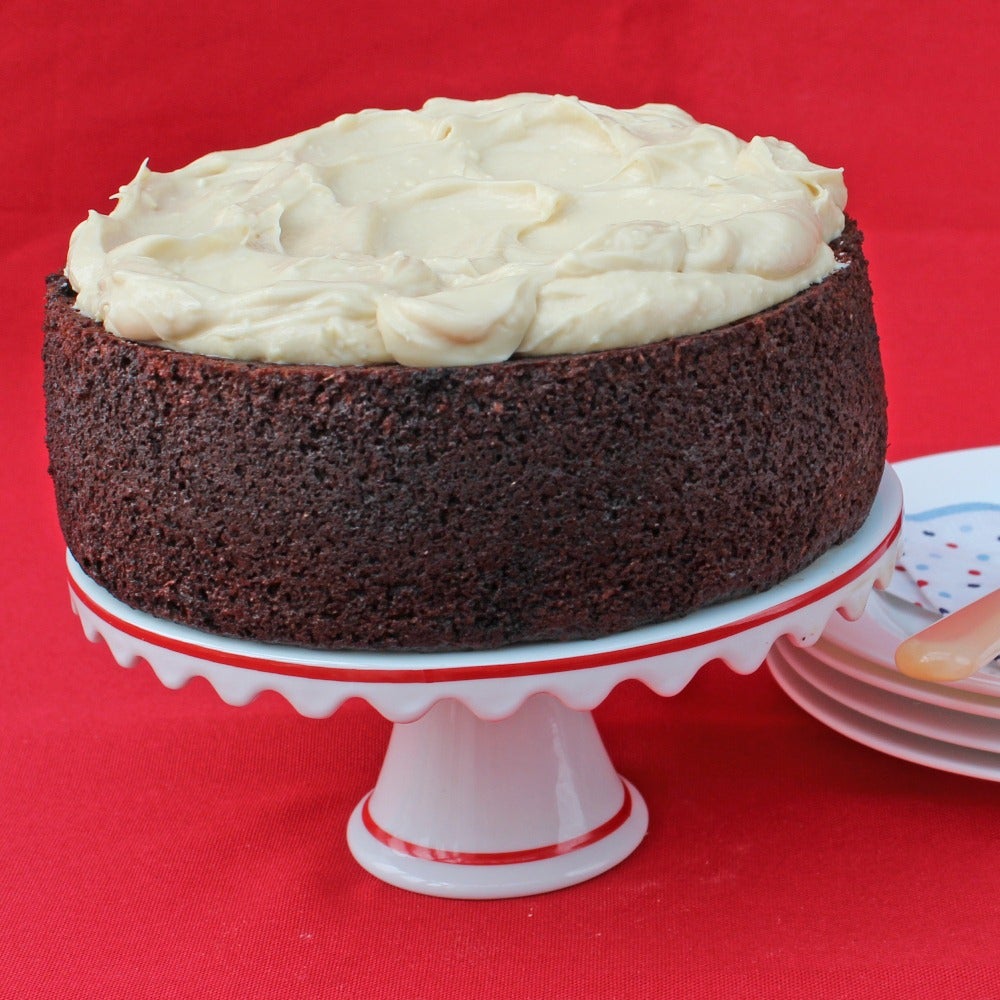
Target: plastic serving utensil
{"type": "Point", "coordinates": [955, 646]}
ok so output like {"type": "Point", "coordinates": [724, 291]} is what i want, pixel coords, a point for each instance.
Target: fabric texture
{"type": "Point", "coordinates": [951, 555]}
{"type": "Point", "coordinates": [161, 844]}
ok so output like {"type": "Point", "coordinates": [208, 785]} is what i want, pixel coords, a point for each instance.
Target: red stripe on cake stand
{"type": "Point", "coordinates": [430, 675]}
{"type": "Point", "coordinates": [497, 857]}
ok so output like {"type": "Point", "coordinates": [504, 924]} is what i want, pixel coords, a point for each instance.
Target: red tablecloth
{"type": "Point", "coordinates": [161, 844]}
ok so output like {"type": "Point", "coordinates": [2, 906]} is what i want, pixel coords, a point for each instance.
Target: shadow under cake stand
{"type": "Point", "coordinates": [496, 782]}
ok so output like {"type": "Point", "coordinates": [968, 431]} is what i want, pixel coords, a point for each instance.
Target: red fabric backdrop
{"type": "Point", "coordinates": [161, 844]}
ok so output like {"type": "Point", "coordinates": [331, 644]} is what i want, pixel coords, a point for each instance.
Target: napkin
{"type": "Point", "coordinates": [950, 556]}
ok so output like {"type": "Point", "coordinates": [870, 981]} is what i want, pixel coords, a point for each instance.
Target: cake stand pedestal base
{"type": "Point", "coordinates": [468, 808]}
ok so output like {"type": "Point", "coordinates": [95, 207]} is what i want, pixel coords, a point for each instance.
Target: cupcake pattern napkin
{"type": "Point", "coordinates": [950, 556]}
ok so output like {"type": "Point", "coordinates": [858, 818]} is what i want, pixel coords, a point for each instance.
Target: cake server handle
{"type": "Point", "coordinates": [955, 646]}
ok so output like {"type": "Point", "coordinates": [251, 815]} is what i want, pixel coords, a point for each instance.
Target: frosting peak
{"type": "Point", "coordinates": [462, 233]}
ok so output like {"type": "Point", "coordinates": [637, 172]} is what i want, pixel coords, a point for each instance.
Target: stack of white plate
{"type": "Point", "coordinates": [849, 680]}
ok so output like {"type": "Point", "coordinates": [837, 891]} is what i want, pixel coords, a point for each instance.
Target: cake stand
{"type": "Point", "coordinates": [496, 782]}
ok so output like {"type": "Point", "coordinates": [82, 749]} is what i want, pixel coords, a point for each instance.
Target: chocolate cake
{"type": "Point", "coordinates": [485, 373]}
{"type": "Point", "coordinates": [387, 507]}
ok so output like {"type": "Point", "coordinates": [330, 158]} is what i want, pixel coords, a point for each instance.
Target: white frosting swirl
{"type": "Point", "coordinates": [463, 233]}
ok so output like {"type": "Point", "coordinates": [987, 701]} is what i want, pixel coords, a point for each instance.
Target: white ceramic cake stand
{"type": "Point", "coordinates": [496, 782]}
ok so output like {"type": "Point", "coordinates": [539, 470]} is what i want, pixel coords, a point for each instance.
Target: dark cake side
{"type": "Point", "coordinates": [387, 507]}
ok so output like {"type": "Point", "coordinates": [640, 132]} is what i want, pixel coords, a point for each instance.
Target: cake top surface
{"type": "Point", "coordinates": [463, 233]}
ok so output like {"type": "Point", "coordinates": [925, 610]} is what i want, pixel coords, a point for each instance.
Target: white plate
{"type": "Point", "coordinates": [934, 481]}
{"type": "Point", "coordinates": [950, 477]}
{"type": "Point", "coordinates": [937, 722]}
{"type": "Point", "coordinates": [879, 735]}
{"type": "Point", "coordinates": [889, 679]}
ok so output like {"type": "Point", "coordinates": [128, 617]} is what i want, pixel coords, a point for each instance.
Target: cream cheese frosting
{"type": "Point", "coordinates": [463, 233]}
